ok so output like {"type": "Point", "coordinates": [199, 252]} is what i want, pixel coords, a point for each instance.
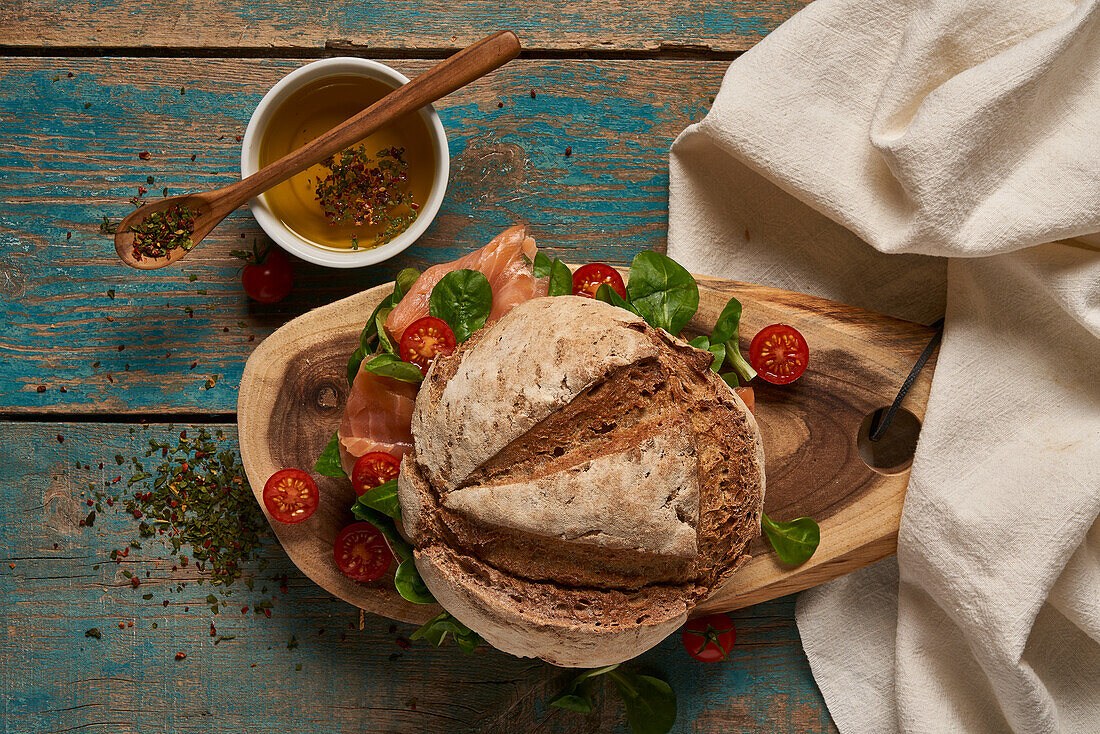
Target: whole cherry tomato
{"type": "Point", "coordinates": [268, 277]}
{"type": "Point", "coordinates": [709, 639]}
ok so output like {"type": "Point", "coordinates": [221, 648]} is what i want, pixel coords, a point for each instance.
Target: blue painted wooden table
{"type": "Point", "coordinates": [96, 359]}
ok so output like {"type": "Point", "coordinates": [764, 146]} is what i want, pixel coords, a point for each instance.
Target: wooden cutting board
{"type": "Point", "coordinates": [294, 388]}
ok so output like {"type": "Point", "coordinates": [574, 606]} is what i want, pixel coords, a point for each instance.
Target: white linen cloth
{"type": "Point", "coordinates": [913, 158]}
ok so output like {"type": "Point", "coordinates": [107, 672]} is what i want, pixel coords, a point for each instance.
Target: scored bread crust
{"type": "Point", "coordinates": [507, 535]}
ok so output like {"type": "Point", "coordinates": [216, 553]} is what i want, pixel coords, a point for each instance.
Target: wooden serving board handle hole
{"type": "Point", "coordinates": [893, 452]}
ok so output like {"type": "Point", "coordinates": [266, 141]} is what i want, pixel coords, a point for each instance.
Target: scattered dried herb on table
{"type": "Point", "coordinates": [366, 191]}
{"type": "Point", "coordinates": [199, 496]}
{"type": "Point", "coordinates": [161, 232]}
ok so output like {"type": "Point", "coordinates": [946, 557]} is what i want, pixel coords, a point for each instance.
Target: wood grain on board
{"type": "Point", "coordinates": [54, 679]}
{"type": "Point", "coordinates": [295, 386]}
{"type": "Point", "coordinates": [70, 305]}
{"type": "Point", "coordinates": [411, 25]}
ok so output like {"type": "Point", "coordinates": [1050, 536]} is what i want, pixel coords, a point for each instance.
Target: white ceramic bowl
{"type": "Point", "coordinates": [250, 163]}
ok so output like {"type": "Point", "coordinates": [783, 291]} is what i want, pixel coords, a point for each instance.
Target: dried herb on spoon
{"type": "Point", "coordinates": [164, 231]}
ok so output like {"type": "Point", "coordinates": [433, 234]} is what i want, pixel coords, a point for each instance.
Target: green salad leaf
{"type": "Point", "coordinates": [353, 364]}
{"type": "Point", "coordinates": [409, 584]}
{"type": "Point", "coordinates": [725, 328]}
{"type": "Point", "coordinates": [542, 265]}
{"type": "Point", "coordinates": [719, 352]}
{"type": "Point", "coordinates": [650, 702]}
{"type": "Point", "coordinates": [386, 525]}
{"type": "Point", "coordinates": [462, 298]}
{"type": "Point", "coordinates": [607, 294]}
{"type": "Point", "coordinates": [384, 341]}
{"type": "Point", "coordinates": [401, 286]}
{"type": "Point", "coordinates": [328, 463]}
{"type": "Point", "coordinates": [795, 541]}
{"type": "Point", "coordinates": [437, 629]}
{"type": "Point", "coordinates": [726, 332]}
{"type": "Point", "coordinates": [730, 378]}
{"type": "Point", "coordinates": [369, 335]}
{"type": "Point", "coordinates": [402, 283]}
{"type": "Point", "coordinates": [561, 279]}
{"type": "Point", "coordinates": [700, 342]}
{"type": "Point", "coordinates": [662, 291]}
{"type": "Point", "coordinates": [577, 695]}
{"type": "Point", "coordinates": [389, 365]}
{"type": "Point", "coordinates": [383, 498]}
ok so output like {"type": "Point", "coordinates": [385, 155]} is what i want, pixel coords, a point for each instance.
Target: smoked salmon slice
{"type": "Point", "coordinates": [506, 262]}
{"type": "Point", "coordinates": [378, 415]}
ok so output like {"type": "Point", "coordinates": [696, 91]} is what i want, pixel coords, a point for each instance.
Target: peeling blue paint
{"type": "Point", "coordinates": [54, 678]}
{"type": "Point", "coordinates": [67, 167]}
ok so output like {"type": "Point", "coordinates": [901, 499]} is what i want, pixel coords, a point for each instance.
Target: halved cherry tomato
{"type": "Point", "coordinates": [748, 396]}
{"type": "Point", "coordinates": [361, 552]}
{"type": "Point", "coordinates": [779, 354]}
{"type": "Point", "coordinates": [425, 339]}
{"type": "Point", "coordinates": [588, 279]}
{"type": "Point", "coordinates": [373, 469]}
{"type": "Point", "coordinates": [709, 639]}
{"type": "Point", "coordinates": [291, 495]}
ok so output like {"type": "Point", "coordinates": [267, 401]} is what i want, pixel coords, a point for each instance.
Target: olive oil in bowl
{"type": "Point", "coordinates": [316, 108]}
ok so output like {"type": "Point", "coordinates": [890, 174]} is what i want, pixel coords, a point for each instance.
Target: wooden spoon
{"type": "Point", "coordinates": [212, 207]}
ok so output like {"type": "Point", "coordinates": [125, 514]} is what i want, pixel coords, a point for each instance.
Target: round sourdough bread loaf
{"type": "Point", "coordinates": [580, 480]}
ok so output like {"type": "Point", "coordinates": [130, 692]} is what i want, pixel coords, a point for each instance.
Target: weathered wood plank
{"type": "Point", "coordinates": [718, 25]}
{"type": "Point", "coordinates": [55, 679]}
{"type": "Point", "coordinates": [70, 155]}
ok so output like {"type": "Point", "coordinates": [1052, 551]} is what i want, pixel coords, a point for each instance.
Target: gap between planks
{"type": "Point", "coordinates": [666, 51]}
{"type": "Point", "coordinates": [140, 418]}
